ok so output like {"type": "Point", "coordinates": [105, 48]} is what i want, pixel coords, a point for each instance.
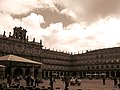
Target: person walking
{"type": "Point", "coordinates": [115, 82]}
{"type": "Point", "coordinates": [31, 80]}
{"type": "Point", "coordinates": [37, 80]}
{"type": "Point", "coordinates": [67, 80]}
{"type": "Point", "coordinates": [51, 82]}
{"type": "Point", "coordinates": [103, 80]}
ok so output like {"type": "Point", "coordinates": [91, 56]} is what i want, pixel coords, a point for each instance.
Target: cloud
{"type": "Point", "coordinates": [90, 11]}
{"type": "Point", "coordinates": [18, 6]}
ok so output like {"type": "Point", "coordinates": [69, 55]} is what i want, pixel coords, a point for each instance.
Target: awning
{"type": "Point", "coordinates": [14, 58]}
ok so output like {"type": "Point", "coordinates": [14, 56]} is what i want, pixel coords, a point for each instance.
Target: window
{"type": "Point", "coordinates": [92, 67]}
{"type": "Point", "coordinates": [117, 66]}
{"type": "Point", "coordinates": [88, 68]}
{"type": "Point", "coordinates": [102, 67]}
{"type": "Point", "coordinates": [111, 66]}
{"type": "Point", "coordinates": [107, 67]}
{"type": "Point", "coordinates": [97, 67]}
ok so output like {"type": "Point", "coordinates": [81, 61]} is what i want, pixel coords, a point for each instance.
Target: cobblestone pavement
{"type": "Point", "coordinates": [86, 85]}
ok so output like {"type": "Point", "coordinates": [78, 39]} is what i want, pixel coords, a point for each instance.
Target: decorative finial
{"type": "Point", "coordinates": [27, 38]}
{"type": "Point", "coordinates": [9, 34]}
{"type": "Point", "coordinates": [33, 39]}
{"type": "Point", "coordinates": [4, 34]}
{"type": "Point", "coordinates": [41, 42]}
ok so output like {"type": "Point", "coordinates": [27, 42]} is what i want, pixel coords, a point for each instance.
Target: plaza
{"type": "Point", "coordinates": [86, 85]}
{"type": "Point", "coordinates": [95, 84]}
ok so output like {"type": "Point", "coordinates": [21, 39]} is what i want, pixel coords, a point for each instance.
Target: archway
{"type": "Point", "coordinates": [117, 74]}
{"type": "Point", "coordinates": [46, 73]}
{"type": "Point", "coordinates": [112, 74]}
{"type": "Point", "coordinates": [18, 71]}
{"type": "Point", "coordinates": [27, 71]}
{"type": "Point", "coordinates": [107, 74]}
{"type": "Point", "coordinates": [35, 72]}
{"type": "Point", "coordinates": [75, 74]}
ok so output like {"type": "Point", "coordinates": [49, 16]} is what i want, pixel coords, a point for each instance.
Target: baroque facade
{"type": "Point", "coordinates": [97, 62]}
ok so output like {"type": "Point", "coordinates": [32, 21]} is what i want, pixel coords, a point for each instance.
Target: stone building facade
{"type": "Point", "coordinates": [97, 62]}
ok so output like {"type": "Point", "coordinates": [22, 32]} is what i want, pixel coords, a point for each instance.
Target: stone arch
{"type": "Point", "coordinates": [7, 71]}
{"type": "Point", "coordinates": [117, 74]}
{"type": "Point", "coordinates": [46, 73]}
{"type": "Point", "coordinates": [112, 74]}
{"type": "Point", "coordinates": [107, 74]}
{"type": "Point", "coordinates": [36, 72]}
{"type": "Point", "coordinates": [27, 71]}
{"type": "Point", "coordinates": [18, 71]}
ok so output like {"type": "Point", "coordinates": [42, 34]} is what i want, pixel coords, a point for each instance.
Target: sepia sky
{"type": "Point", "coordinates": [66, 25]}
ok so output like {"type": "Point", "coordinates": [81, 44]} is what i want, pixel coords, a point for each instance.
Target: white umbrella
{"type": "Point", "coordinates": [2, 66]}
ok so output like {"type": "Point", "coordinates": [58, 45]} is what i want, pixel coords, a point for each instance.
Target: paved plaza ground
{"type": "Point", "coordinates": [86, 85]}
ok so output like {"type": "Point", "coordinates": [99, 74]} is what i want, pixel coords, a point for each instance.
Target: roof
{"type": "Point", "coordinates": [14, 58]}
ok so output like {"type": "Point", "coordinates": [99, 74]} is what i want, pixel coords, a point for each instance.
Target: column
{"type": "Point", "coordinates": [77, 73]}
{"type": "Point", "coordinates": [109, 75]}
{"type": "Point", "coordinates": [63, 73]}
{"type": "Point", "coordinates": [32, 70]}
{"type": "Point", "coordinates": [82, 74]}
{"type": "Point", "coordinates": [44, 73]}
{"type": "Point", "coordinates": [48, 73]}
{"type": "Point", "coordinates": [59, 73]}
{"type": "Point", "coordinates": [40, 72]}
{"type": "Point", "coordinates": [115, 73]}
{"type": "Point", "coordinates": [12, 71]}
{"type": "Point", "coordinates": [23, 71]}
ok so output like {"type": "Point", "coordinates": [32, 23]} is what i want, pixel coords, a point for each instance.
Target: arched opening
{"type": "Point", "coordinates": [7, 71]}
{"type": "Point", "coordinates": [107, 74]}
{"type": "Point", "coordinates": [58, 73]}
{"type": "Point", "coordinates": [117, 74]}
{"type": "Point", "coordinates": [112, 74]}
{"type": "Point", "coordinates": [80, 73]}
{"type": "Point", "coordinates": [50, 73]}
{"type": "Point", "coordinates": [18, 71]}
{"type": "Point", "coordinates": [27, 72]}
{"type": "Point", "coordinates": [46, 73]}
{"type": "Point", "coordinates": [75, 74]}
{"type": "Point", "coordinates": [35, 72]}
{"type": "Point", "coordinates": [84, 74]}
{"type": "Point", "coordinates": [43, 74]}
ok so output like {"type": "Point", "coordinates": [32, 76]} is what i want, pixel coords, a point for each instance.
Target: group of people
{"type": "Point", "coordinates": [31, 81]}
{"type": "Point", "coordinates": [65, 79]}
{"type": "Point", "coordinates": [115, 80]}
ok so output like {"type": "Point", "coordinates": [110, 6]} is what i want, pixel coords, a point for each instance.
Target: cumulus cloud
{"type": "Point", "coordinates": [89, 11]}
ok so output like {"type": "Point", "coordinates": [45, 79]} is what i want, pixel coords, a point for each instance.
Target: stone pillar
{"type": "Point", "coordinates": [59, 73]}
{"type": "Point", "coordinates": [109, 74]}
{"type": "Point", "coordinates": [40, 71]}
{"type": "Point", "coordinates": [115, 73]}
{"type": "Point", "coordinates": [32, 70]}
{"type": "Point", "coordinates": [70, 73]}
{"type": "Point", "coordinates": [82, 74]}
{"type": "Point", "coordinates": [48, 73]}
{"type": "Point", "coordinates": [63, 73]}
{"type": "Point", "coordinates": [44, 73]}
{"type": "Point", "coordinates": [12, 71]}
{"type": "Point", "coordinates": [23, 71]}
{"type": "Point", "coordinates": [77, 73]}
